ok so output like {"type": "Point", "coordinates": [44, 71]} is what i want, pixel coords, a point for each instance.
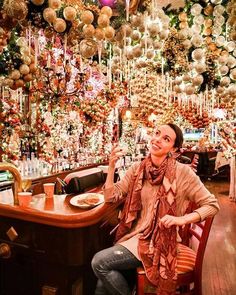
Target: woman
{"type": "Point", "coordinates": [157, 192]}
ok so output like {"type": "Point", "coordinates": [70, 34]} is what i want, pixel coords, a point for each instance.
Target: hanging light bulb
{"type": "Point", "coordinates": [152, 117]}
{"type": "Point", "coordinates": [128, 114]}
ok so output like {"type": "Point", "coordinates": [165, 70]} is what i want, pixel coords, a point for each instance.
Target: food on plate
{"type": "Point", "coordinates": [81, 202]}
{"type": "Point", "coordinates": [92, 199]}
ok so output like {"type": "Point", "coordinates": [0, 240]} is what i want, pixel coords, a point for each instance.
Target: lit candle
{"type": "Point", "coordinates": [49, 60]}
{"type": "Point", "coordinates": [109, 77]}
{"type": "Point", "coordinates": [130, 77]}
{"type": "Point", "coordinates": [179, 99]}
{"type": "Point", "coordinates": [200, 102]}
{"type": "Point", "coordinates": [226, 32]}
{"type": "Point", "coordinates": [29, 36]}
{"type": "Point", "coordinates": [3, 94]}
{"type": "Point", "coordinates": [167, 88]}
{"type": "Point", "coordinates": [100, 55]}
{"type": "Point", "coordinates": [65, 48]}
{"type": "Point", "coordinates": [127, 2]}
{"type": "Point", "coordinates": [213, 100]}
{"type": "Point", "coordinates": [36, 51]}
{"type": "Point", "coordinates": [145, 34]}
{"type": "Point", "coordinates": [216, 134]}
{"type": "Point", "coordinates": [170, 89]}
{"type": "Point", "coordinates": [162, 68]}
{"type": "Point", "coordinates": [20, 98]}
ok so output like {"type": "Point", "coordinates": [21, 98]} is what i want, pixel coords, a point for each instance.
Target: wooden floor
{"type": "Point", "coordinates": [219, 269]}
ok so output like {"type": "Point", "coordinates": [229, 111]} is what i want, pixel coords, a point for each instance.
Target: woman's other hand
{"type": "Point", "coordinates": [169, 220]}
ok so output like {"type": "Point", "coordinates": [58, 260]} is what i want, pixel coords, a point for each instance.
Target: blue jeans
{"type": "Point", "coordinates": [109, 266]}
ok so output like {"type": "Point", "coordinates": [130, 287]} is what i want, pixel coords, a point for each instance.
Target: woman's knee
{"type": "Point", "coordinates": [97, 262]}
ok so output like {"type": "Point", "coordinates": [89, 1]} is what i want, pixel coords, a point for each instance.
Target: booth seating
{"type": "Point", "coordinates": [189, 262]}
{"type": "Point", "coordinates": [222, 167]}
{"type": "Point", "coordinates": [82, 181]}
{"type": "Point", "coordinates": [206, 162]}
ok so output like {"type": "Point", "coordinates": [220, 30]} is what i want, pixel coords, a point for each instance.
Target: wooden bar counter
{"type": "Point", "coordinates": [55, 243]}
{"type": "Point", "coordinates": [56, 211]}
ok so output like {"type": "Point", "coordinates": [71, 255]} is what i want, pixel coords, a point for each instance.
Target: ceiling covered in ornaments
{"type": "Point", "coordinates": [165, 58]}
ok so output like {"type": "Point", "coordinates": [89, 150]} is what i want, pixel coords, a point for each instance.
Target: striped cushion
{"type": "Point", "coordinates": [185, 259]}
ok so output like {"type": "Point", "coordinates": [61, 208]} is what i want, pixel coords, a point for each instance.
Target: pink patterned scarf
{"type": "Point", "coordinates": [157, 246]}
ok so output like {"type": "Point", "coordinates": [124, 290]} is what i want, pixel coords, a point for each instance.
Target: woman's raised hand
{"type": "Point", "coordinates": [116, 153]}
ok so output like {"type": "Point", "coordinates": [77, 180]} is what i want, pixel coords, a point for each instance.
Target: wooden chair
{"type": "Point", "coordinates": [189, 282]}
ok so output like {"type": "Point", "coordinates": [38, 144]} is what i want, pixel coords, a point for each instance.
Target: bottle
{"type": "Point", "coordinates": [34, 164]}
{"type": "Point", "coordinates": [24, 166]}
{"type": "Point", "coordinates": [29, 166]}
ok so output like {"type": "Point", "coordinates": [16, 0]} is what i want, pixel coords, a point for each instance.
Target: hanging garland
{"type": "Point", "coordinates": [10, 127]}
{"type": "Point", "coordinates": [227, 131]}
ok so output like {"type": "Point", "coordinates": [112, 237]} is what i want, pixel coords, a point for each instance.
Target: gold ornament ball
{"type": "Point", "coordinates": [183, 17]}
{"type": "Point", "coordinates": [106, 10]}
{"type": "Point", "coordinates": [32, 67]}
{"type": "Point", "coordinates": [157, 44]}
{"type": "Point", "coordinates": [15, 75]}
{"type": "Point", "coordinates": [233, 35]}
{"type": "Point", "coordinates": [48, 32]}
{"type": "Point", "coordinates": [8, 82]}
{"type": "Point", "coordinates": [21, 41]}
{"type": "Point", "coordinates": [17, 10]}
{"type": "Point", "coordinates": [109, 32]}
{"type": "Point", "coordinates": [212, 46]}
{"type": "Point", "coordinates": [150, 53]}
{"type": "Point", "coordinates": [54, 4]}
{"type": "Point", "coordinates": [208, 40]}
{"type": "Point", "coordinates": [103, 21]}
{"type": "Point", "coordinates": [135, 35]}
{"type": "Point", "coordinates": [197, 80]}
{"type": "Point", "coordinates": [24, 69]}
{"type": "Point", "coordinates": [26, 59]}
{"type": "Point", "coordinates": [207, 31]}
{"type": "Point", "coordinates": [2, 126]}
{"type": "Point", "coordinates": [183, 25]}
{"type": "Point", "coordinates": [189, 90]}
{"type": "Point", "coordinates": [126, 30]}
{"type": "Point", "coordinates": [28, 78]}
{"type": "Point", "coordinates": [49, 15]}
{"type": "Point", "coordinates": [69, 13]}
{"type": "Point", "coordinates": [137, 51]}
{"type": "Point", "coordinates": [208, 10]}
{"type": "Point", "coordinates": [59, 25]}
{"type": "Point", "coordinates": [225, 53]}
{"type": "Point", "coordinates": [232, 20]}
{"type": "Point", "coordinates": [208, 22]}
{"type": "Point", "coordinates": [37, 2]}
{"type": "Point", "coordinates": [88, 48]}
{"type": "Point", "coordinates": [87, 17]}
{"type": "Point", "coordinates": [88, 31]}
{"type": "Point", "coordinates": [99, 34]}
{"type": "Point", "coordinates": [19, 83]}
{"type": "Point", "coordinates": [119, 36]}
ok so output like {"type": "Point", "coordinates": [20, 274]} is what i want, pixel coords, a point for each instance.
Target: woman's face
{"type": "Point", "coordinates": [162, 141]}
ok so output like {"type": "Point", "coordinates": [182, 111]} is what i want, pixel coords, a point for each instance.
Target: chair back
{"type": "Point", "coordinates": [199, 233]}
{"type": "Point", "coordinates": [194, 236]}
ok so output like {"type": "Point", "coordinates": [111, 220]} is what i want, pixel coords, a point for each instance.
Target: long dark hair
{"type": "Point", "coordinates": [179, 135]}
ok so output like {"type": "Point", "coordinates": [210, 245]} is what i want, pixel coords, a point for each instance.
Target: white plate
{"type": "Point", "coordinates": [80, 200]}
